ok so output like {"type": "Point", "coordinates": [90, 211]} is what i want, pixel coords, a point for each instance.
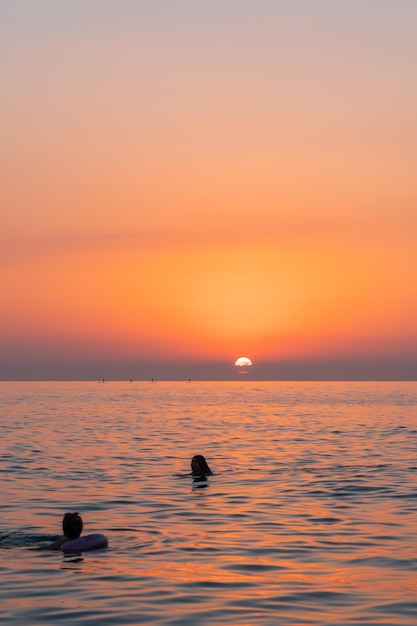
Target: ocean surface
{"type": "Point", "coordinates": [309, 518]}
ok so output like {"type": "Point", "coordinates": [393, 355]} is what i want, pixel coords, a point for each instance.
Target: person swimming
{"type": "Point", "coordinates": [72, 527]}
{"type": "Point", "coordinates": [199, 466]}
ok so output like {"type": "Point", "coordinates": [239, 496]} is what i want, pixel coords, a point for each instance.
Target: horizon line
{"type": "Point", "coordinates": [207, 380]}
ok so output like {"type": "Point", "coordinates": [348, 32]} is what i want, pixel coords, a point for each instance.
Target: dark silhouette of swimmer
{"type": "Point", "coordinates": [72, 527]}
{"type": "Point", "coordinates": [199, 466]}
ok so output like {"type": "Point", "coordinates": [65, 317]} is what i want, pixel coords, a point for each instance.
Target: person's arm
{"type": "Point", "coordinates": [55, 545]}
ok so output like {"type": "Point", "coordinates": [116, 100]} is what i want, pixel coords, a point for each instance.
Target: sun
{"type": "Point", "coordinates": [242, 364]}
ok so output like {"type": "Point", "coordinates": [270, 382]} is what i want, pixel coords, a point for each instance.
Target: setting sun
{"type": "Point", "coordinates": [242, 364]}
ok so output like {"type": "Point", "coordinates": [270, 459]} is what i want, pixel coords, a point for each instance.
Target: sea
{"type": "Point", "coordinates": [309, 518]}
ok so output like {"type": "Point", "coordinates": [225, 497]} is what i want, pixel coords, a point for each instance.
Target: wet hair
{"type": "Point", "coordinates": [199, 466]}
{"type": "Point", "coordinates": [72, 525]}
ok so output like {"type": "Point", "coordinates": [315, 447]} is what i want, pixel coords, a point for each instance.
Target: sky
{"type": "Point", "coordinates": [184, 183]}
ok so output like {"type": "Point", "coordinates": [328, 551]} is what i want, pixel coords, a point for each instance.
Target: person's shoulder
{"type": "Point", "coordinates": [55, 545]}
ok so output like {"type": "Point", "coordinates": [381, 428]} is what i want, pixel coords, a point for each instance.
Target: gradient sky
{"type": "Point", "coordinates": [187, 182]}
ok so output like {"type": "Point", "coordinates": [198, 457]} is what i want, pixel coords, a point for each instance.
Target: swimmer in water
{"type": "Point", "coordinates": [72, 526]}
{"type": "Point", "coordinates": [199, 466]}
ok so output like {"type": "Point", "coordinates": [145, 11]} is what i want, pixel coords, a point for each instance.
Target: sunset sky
{"type": "Point", "coordinates": [186, 182]}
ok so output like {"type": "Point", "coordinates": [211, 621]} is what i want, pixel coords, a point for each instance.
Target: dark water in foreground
{"type": "Point", "coordinates": [310, 517]}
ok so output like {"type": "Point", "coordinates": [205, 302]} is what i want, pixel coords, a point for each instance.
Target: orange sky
{"type": "Point", "coordinates": [183, 182]}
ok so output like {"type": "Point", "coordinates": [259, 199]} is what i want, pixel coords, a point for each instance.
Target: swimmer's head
{"type": "Point", "coordinates": [199, 466]}
{"type": "Point", "coordinates": [72, 525]}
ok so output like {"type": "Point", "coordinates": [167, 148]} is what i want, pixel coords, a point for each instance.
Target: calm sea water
{"type": "Point", "coordinates": [310, 516]}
